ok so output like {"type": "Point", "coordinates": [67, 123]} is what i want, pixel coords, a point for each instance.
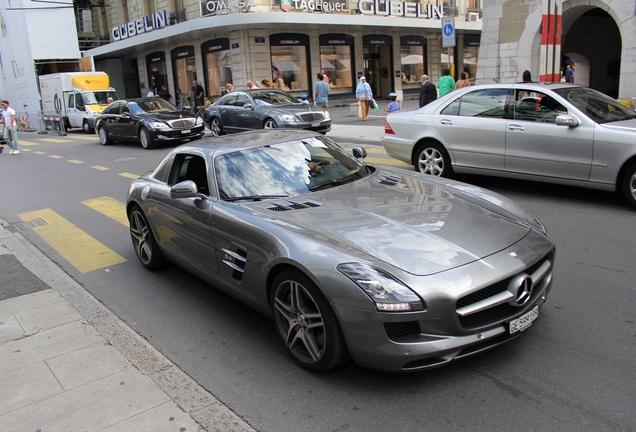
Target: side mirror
{"type": "Point", "coordinates": [566, 120]}
{"type": "Point", "coordinates": [359, 153]}
{"type": "Point", "coordinates": [185, 189]}
{"type": "Point", "coordinates": [248, 105]}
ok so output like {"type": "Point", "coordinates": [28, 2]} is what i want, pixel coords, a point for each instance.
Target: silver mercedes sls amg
{"type": "Point", "coordinates": [395, 270]}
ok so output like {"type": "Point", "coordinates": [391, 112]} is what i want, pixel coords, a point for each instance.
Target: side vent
{"type": "Point", "coordinates": [389, 180]}
{"type": "Point", "coordinates": [236, 261]}
{"type": "Point", "coordinates": [293, 205]}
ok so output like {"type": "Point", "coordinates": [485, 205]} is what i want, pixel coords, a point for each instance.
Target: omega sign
{"type": "Point", "coordinates": [214, 6]}
{"type": "Point", "coordinates": [399, 8]}
{"type": "Point", "coordinates": [141, 25]}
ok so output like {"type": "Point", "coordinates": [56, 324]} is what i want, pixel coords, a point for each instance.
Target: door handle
{"type": "Point", "coordinates": [446, 122]}
{"type": "Point", "coordinates": [515, 127]}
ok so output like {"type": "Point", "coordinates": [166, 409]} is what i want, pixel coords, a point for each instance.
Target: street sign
{"type": "Point", "coordinates": [448, 32]}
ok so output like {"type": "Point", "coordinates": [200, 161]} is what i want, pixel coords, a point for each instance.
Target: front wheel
{"type": "Point", "coordinates": [215, 127]}
{"type": "Point", "coordinates": [145, 139]}
{"type": "Point", "coordinates": [87, 127]}
{"type": "Point", "coordinates": [628, 184]}
{"type": "Point", "coordinates": [144, 241]}
{"type": "Point", "coordinates": [433, 159]}
{"type": "Point", "coordinates": [269, 124]}
{"type": "Point", "coordinates": [306, 323]}
{"type": "Point", "coordinates": [102, 134]}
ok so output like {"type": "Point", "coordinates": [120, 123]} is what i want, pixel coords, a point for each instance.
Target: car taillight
{"type": "Point", "coordinates": [387, 128]}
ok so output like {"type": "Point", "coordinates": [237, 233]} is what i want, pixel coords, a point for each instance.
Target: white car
{"type": "Point", "coordinates": [556, 133]}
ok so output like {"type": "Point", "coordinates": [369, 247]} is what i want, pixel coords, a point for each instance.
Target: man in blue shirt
{"type": "Point", "coordinates": [321, 91]}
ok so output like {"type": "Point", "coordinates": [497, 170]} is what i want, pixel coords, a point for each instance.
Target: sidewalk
{"type": "Point", "coordinates": [68, 364]}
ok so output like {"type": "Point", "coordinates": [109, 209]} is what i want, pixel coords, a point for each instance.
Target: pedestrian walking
{"type": "Point", "coordinates": [164, 94]}
{"type": "Point", "coordinates": [252, 85]}
{"type": "Point", "coordinates": [197, 94]}
{"type": "Point", "coordinates": [151, 93]}
{"type": "Point", "coordinates": [182, 101]}
{"type": "Point", "coordinates": [446, 83]}
{"type": "Point", "coordinates": [228, 88]}
{"type": "Point", "coordinates": [10, 132]}
{"type": "Point", "coordinates": [462, 82]}
{"type": "Point", "coordinates": [428, 91]}
{"type": "Point", "coordinates": [569, 71]}
{"type": "Point", "coordinates": [527, 76]}
{"type": "Point", "coordinates": [303, 98]}
{"type": "Point", "coordinates": [321, 91]}
{"type": "Point", "coordinates": [364, 94]}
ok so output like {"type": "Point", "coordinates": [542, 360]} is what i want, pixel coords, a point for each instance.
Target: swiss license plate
{"type": "Point", "coordinates": [315, 124]}
{"type": "Point", "coordinates": [524, 321]}
{"type": "Point", "coordinates": [185, 131]}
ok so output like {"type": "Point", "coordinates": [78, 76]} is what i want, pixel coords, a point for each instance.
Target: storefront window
{"type": "Point", "coordinates": [218, 65]}
{"type": "Point", "coordinates": [184, 67]}
{"type": "Point", "coordinates": [470, 55]}
{"type": "Point", "coordinates": [157, 76]}
{"type": "Point", "coordinates": [289, 63]}
{"type": "Point", "coordinates": [335, 62]}
{"type": "Point", "coordinates": [412, 60]}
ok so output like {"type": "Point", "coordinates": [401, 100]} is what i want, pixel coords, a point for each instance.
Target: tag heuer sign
{"type": "Point", "coordinates": [285, 5]}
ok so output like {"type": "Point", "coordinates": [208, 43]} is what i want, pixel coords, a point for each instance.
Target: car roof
{"type": "Point", "coordinates": [246, 140]}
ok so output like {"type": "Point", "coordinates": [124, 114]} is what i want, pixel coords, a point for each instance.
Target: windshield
{"type": "Point", "coordinates": [274, 98]}
{"type": "Point", "coordinates": [286, 169]}
{"type": "Point", "coordinates": [596, 105]}
{"type": "Point", "coordinates": [151, 105]}
{"type": "Point", "coordinates": [98, 97]}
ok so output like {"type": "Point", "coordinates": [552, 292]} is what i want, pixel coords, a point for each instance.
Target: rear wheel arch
{"type": "Point", "coordinates": [626, 181]}
{"type": "Point", "coordinates": [438, 146]}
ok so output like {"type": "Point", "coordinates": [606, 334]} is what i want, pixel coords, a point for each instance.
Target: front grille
{"type": "Point", "coordinates": [501, 311]}
{"type": "Point", "coordinates": [310, 117]}
{"type": "Point", "coordinates": [400, 330]}
{"type": "Point", "coordinates": [182, 123]}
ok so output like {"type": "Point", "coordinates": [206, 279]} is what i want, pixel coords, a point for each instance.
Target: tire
{"type": "Point", "coordinates": [145, 139]}
{"type": "Point", "coordinates": [215, 127]}
{"type": "Point", "coordinates": [306, 323]}
{"type": "Point", "coordinates": [102, 134]}
{"type": "Point", "coordinates": [144, 241]}
{"type": "Point", "coordinates": [87, 127]}
{"type": "Point", "coordinates": [628, 184]}
{"type": "Point", "coordinates": [269, 124]}
{"type": "Point", "coordinates": [431, 158]}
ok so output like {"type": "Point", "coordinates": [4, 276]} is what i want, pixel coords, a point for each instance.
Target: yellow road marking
{"type": "Point", "coordinates": [27, 143]}
{"type": "Point", "coordinates": [81, 250]}
{"type": "Point", "coordinates": [116, 210]}
{"type": "Point", "coordinates": [129, 175]}
{"type": "Point", "coordinates": [40, 152]}
{"type": "Point", "coordinates": [385, 161]}
{"type": "Point", "coordinates": [55, 140]}
{"type": "Point", "coordinates": [100, 168]}
{"type": "Point", "coordinates": [75, 161]}
{"type": "Point", "coordinates": [56, 156]}
{"type": "Point", "coordinates": [84, 137]}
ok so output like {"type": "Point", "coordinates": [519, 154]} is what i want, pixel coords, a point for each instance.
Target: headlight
{"type": "Point", "coordinates": [327, 116]}
{"type": "Point", "coordinates": [199, 121]}
{"type": "Point", "coordinates": [388, 293]}
{"type": "Point", "coordinates": [158, 125]}
{"type": "Point", "coordinates": [288, 118]}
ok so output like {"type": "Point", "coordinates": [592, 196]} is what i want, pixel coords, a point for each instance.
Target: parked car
{"type": "Point", "coordinates": [396, 270]}
{"type": "Point", "coordinates": [148, 121]}
{"type": "Point", "coordinates": [240, 111]}
{"type": "Point", "coordinates": [556, 133]}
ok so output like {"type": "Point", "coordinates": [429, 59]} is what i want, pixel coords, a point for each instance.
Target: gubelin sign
{"type": "Point", "coordinates": [155, 21]}
{"type": "Point", "coordinates": [400, 8]}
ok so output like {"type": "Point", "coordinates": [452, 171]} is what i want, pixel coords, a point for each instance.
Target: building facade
{"type": "Point", "coordinates": [285, 44]}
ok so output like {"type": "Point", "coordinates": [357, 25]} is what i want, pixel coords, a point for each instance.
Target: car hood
{"type": "Point", "coordinates": [627, 125]}
{"type": "Point", "coordinates": [412, 224]}
{"type": "Point", "coordinates": [168, 115]}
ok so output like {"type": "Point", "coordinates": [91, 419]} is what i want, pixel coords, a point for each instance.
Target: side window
{"type": "Point", "coordinates": [190, 167]}
{"type": "Point", "coordinates": [527, 105]}
{"type": "Point", "coordinates": [453, 108]}
{"type": "Point", "coordinates": [242, 99]}
{"type": "Point", "coordinates": [71, 100]}
{"type": "Point", "coordinates": [549, 109]}
{"type": "Point", "coordinates": [227, 100]}
{"type": "Point", "coordinates": [78, 102]}
{"type": "Point", "coordinates": [484, 103]}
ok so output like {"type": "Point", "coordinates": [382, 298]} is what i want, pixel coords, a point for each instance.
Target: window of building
{"type": "Point", "coordinates": [412, 60]}
{"type": "Point", "coordinates": [289, 59]}
{"type": "Point", "coordinates": [151, 7]}
{"type": "Point", "coordinates": [124, 11]}
{"type": "Point", "coordinates": [157, 75]}
{"type": "Point", "coordinates": [217, 65]}
{"type": "Point", "coordinates": [336, 60]}
{"type": "Point", "coordinates": [184, 69]}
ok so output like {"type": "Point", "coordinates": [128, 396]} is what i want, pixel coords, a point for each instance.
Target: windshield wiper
{"type": "Point", "coordinates": [255, 197]}
{"type": "Point", "coordinates": [334, 182]}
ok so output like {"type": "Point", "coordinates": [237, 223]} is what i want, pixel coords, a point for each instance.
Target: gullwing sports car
{"type": "Point", "coordinates": [393, 269]}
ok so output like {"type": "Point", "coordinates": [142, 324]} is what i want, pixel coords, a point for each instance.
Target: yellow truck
{"type": "Point", "coordinates": [76, 97]}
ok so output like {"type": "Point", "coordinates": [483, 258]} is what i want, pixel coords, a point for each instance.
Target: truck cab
{"type": "Point", "coordinates": [83, 106]}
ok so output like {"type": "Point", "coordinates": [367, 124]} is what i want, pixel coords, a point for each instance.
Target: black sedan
{"type": "Point", "coordinates": [147, 121]}
{"type": "Point", "coordinates": [240, 111]}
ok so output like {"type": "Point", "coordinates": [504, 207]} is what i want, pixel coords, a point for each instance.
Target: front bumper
{"type": "Point", "coordinates": [323, 127]}
{"type": "Point", "coordinates": [176, 134]}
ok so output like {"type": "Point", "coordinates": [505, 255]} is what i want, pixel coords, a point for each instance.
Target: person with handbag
{"type": "Point", "coordinates": [364, 94]}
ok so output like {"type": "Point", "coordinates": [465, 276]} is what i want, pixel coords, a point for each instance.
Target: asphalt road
{"type": "Point", "coordinates": [573, 370]}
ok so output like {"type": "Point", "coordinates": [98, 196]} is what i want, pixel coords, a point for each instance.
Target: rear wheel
{"type": "Point", "coordinates": [269, 124]}
{"type": "Point", "coordinates": [306, 323]}
{"type": "Point", "coordinates": [144, 241]}
{"type": "Point", "coordinates": [215, 127]}
{"type": "Point", "coordinates": [433, 159]}
{"type": "Point", "coordinates": [628, 184]}
{"type": "Point", "coordinates": [102, 134]}
{"type": "Point", "coordinates": [145, 139]}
